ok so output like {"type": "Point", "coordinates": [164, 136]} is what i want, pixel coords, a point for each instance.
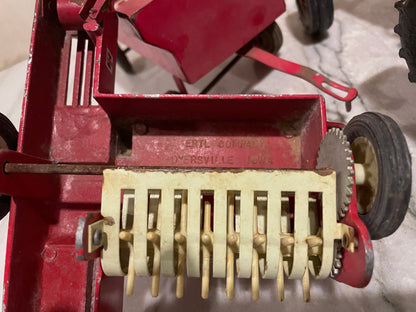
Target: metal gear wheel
{"type": "Point", "coordinates": [335, 153]}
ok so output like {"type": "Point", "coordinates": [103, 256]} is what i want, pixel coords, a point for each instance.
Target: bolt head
{"type": "Point", "coordinates": [97, 237]}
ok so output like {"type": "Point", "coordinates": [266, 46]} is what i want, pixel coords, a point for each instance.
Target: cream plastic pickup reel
{"type": "Point", "coordinates": [258, 224]}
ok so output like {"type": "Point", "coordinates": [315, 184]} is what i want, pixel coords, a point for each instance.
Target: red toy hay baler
{"type": "Point", "coordinates": [151, 185]}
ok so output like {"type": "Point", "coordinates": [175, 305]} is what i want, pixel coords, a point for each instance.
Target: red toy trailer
{"type": "Point", "coordinates": [162, 184]}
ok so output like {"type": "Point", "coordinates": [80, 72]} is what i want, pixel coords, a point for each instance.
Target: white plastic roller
{"type": "Point", "coordinates": [257, 223]}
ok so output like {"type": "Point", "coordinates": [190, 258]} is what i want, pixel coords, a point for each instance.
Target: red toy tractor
{"type": "Point", "coordinates": [166, 184]}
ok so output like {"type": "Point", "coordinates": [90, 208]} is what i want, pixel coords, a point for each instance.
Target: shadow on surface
{"type": "Point", "coordinates": [391, 93]}
{"type": "Point", "coordinates": [380, 13]}
{"type": "Point", "coordinates": [296, 29]}
{"type": "Point", "coordinates": [324, 294]}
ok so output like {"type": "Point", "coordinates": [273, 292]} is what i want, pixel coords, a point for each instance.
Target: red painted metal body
{"type": "Point", "coordinates": [232, 131]}
{"type": "Point", "coordinates": [196, 48]}
{"type": "Point", "coordinates": [191, 38]}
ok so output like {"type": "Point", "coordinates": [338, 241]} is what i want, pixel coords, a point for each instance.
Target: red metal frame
{"type": "Point", "coordinates": [42, 272]}
{"type": "Point", "coordinates": [187, 32]}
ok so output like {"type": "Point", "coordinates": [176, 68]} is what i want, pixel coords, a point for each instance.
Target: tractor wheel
{"type": "Point", "coordinates": [8, 140]}
{"type": "Point", "coordinates": [316, 15]}
{"type": "Point", "coordinates": [270, 39]}
{"type": "Point", "coordinates": [406, 29]}
{"type": "Point", "coordinates": [383, 195]}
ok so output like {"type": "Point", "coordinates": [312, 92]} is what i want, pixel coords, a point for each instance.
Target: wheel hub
{"type": "Point", "coordinates": [364, 154]}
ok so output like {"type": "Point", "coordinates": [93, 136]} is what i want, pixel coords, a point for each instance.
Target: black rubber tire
{"type": "Point", "coordinates": [406, 29]}
{"type": "Point", "coordinates": [316, 15]}
{"type": "Point", "coordinates": [270, 39]}
{"type": "Point", "coordinates": [9, 134]}
{"type": "Point", "coordinates": [394, 171]}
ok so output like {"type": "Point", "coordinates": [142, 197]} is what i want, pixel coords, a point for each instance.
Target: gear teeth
{"type": "Point", "coordinates": [340, 134]}
{"type": "Point", "coordinates": [341, 161]}
{"type": "Point", "coordinates": [337, 261]}
{"type": "Point", "coordinates": [346, 208]}
{"type": "Point", "coordinates": [349, 152]}
{"type": "Point", "coordinates": [350, 179]}
{"type": "Point", "coordinates": [337, 264]}
{"type": "Point", "coordinates": [334, 272]}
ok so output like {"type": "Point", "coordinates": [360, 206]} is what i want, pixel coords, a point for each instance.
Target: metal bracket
{"type": "Point", "coordinates": [313, 77]}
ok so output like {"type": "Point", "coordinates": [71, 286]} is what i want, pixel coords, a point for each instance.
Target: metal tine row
{"type": "Point", "coordinates": [259, 240]}
{"type": "Point", "coordinates": [206, 240]}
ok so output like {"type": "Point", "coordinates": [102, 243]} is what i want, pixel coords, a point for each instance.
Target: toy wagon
{"type": "Point", "coordinates": [247, 186]}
